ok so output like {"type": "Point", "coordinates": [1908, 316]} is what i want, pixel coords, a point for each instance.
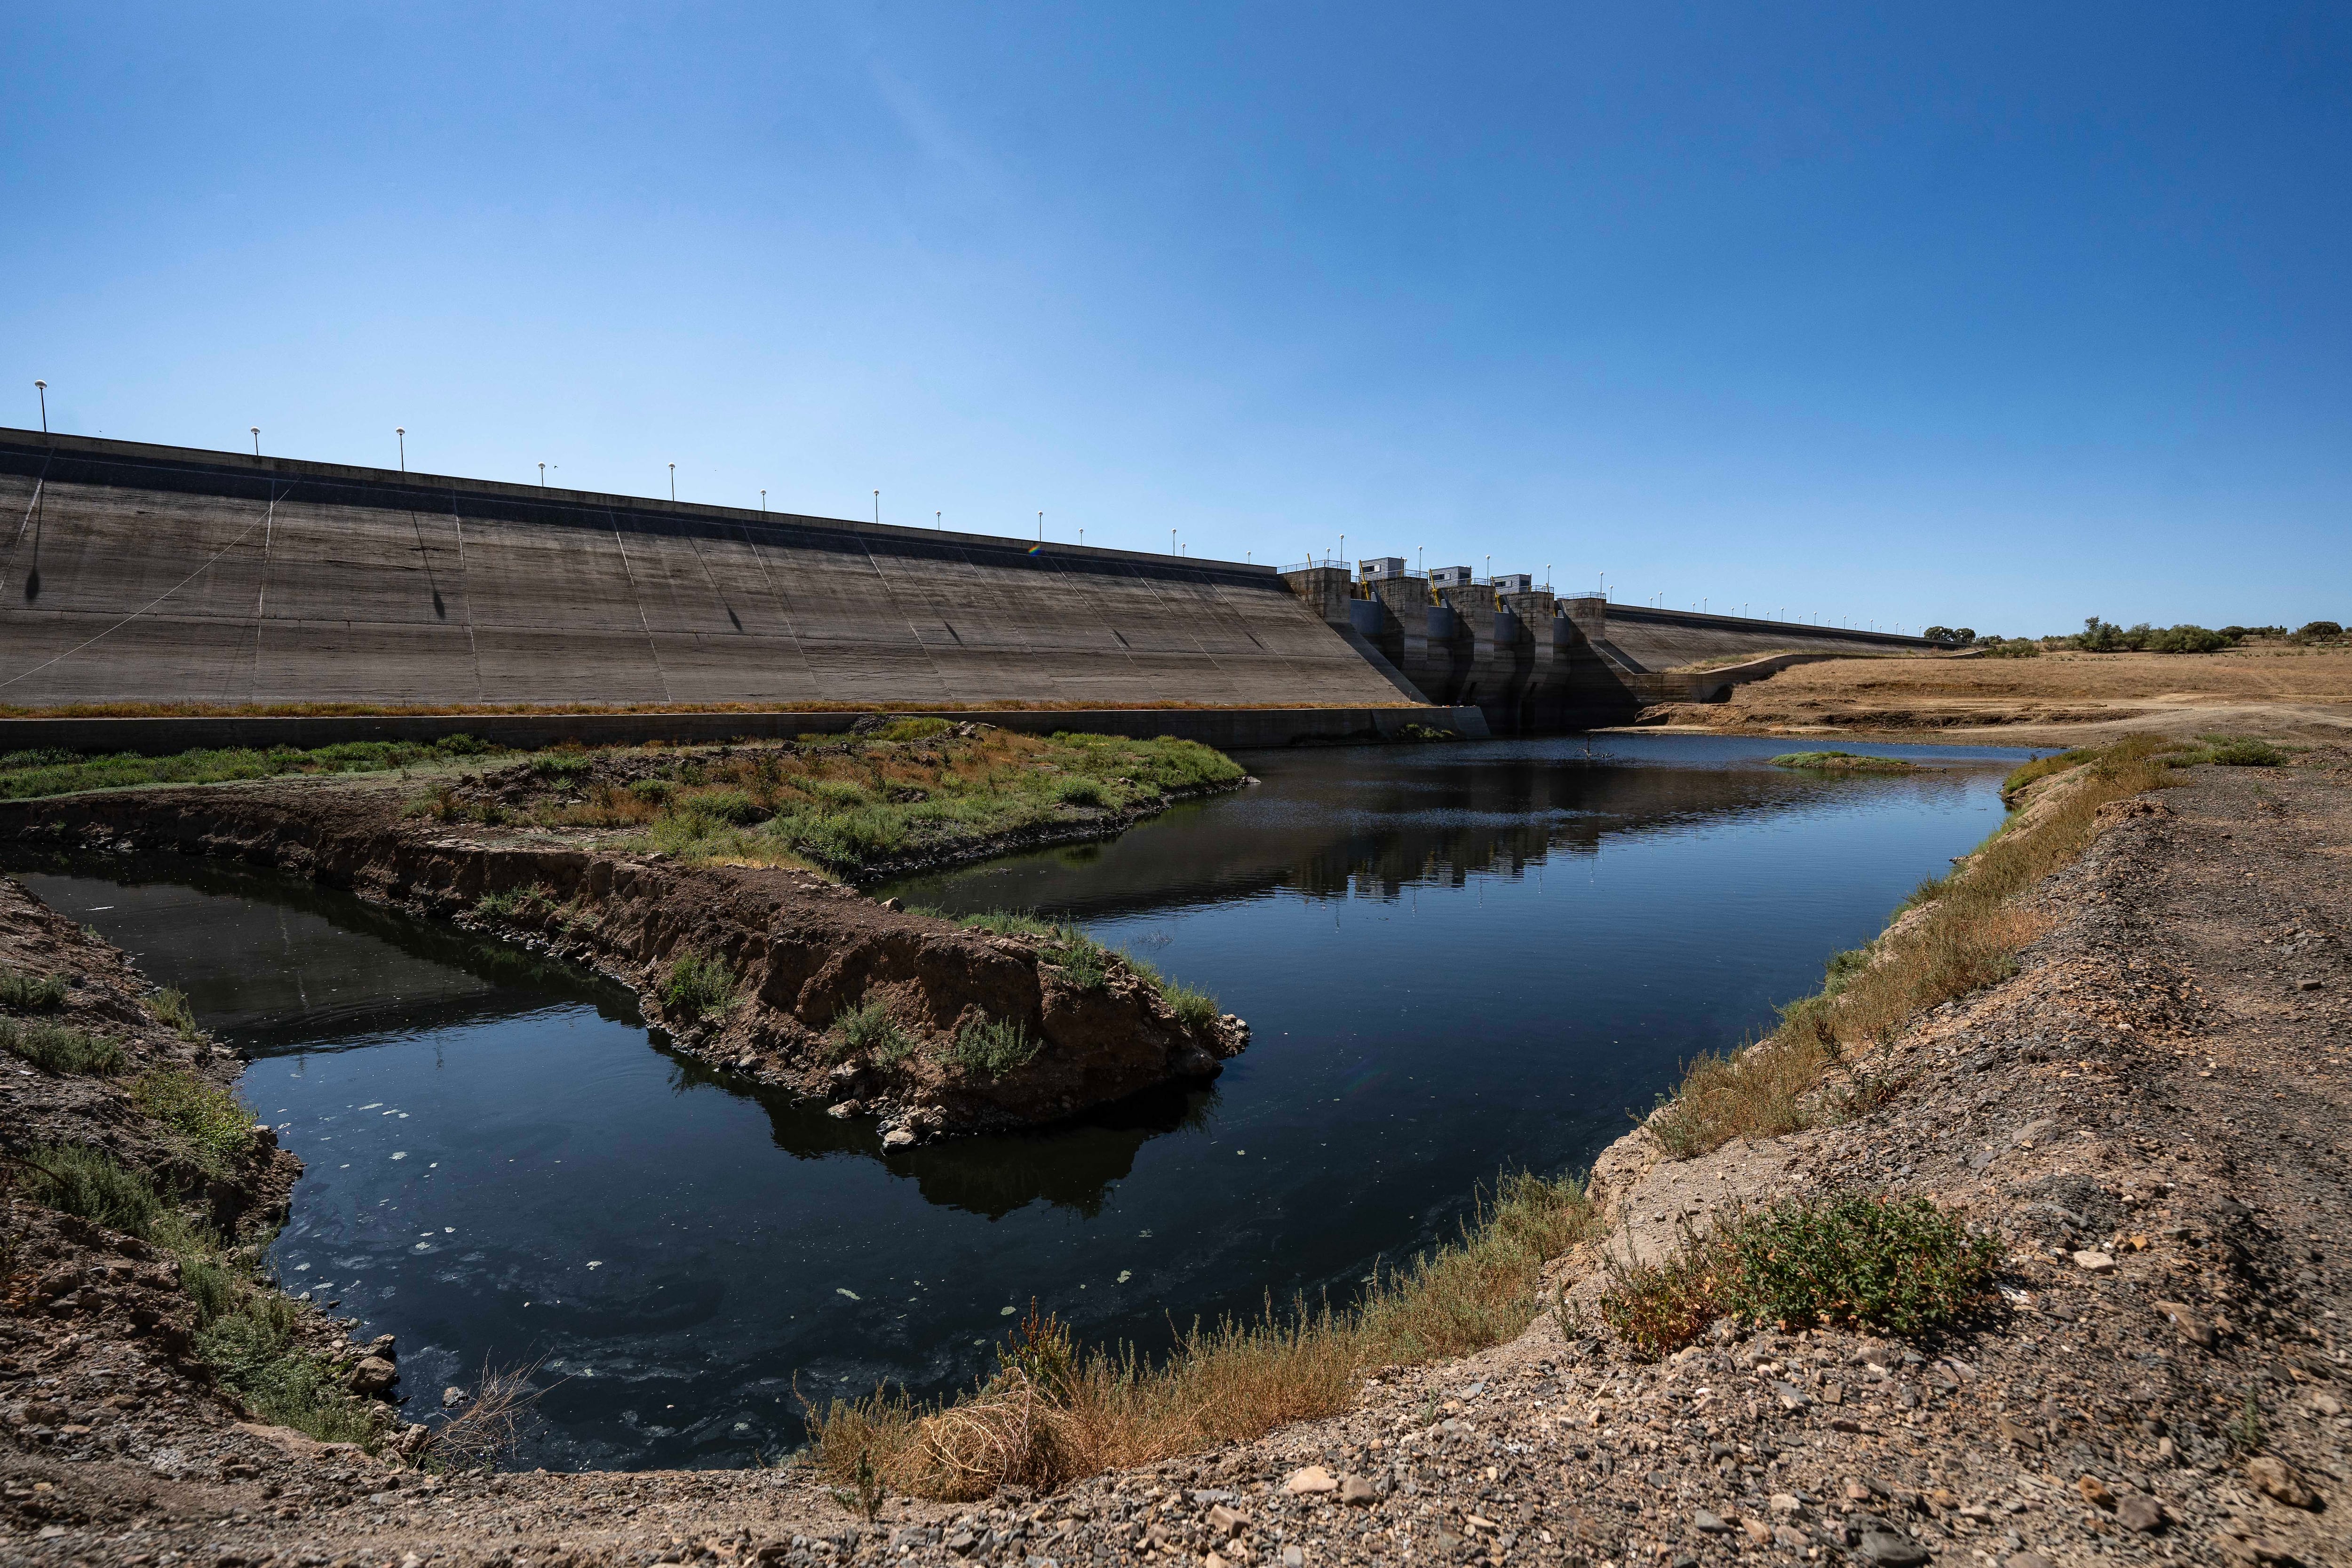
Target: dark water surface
{"type": "Point", "coordinates": [1452, 956]}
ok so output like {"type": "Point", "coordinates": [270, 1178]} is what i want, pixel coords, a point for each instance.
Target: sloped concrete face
{"type": "Point", "coordinates": [139, 574]}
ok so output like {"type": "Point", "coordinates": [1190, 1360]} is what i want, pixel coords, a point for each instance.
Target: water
{"type": "Point", "coordinates": [1454, 957]}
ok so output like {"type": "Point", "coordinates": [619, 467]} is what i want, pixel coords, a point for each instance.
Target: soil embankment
{"type": "Point", "coordinates": [2277, 691]}
{"type": "Point", "coordinates": [772, 971]}
{"type": "Point", "coordinates": [2147, 1114]}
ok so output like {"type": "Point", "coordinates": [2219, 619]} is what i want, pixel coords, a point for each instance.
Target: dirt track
{"type": "Point", "coordinates": [2149, 1115]}
{"type": "Point", "coordinates": [2277, 692]}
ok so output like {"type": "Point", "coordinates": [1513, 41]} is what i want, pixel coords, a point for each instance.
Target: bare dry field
{"type": "Point", "coordinates": [2072, 698]}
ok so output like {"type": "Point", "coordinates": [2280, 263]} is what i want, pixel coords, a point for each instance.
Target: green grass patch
{"type": "Point", "coordinates": [1842, 762]}
{"type": "Point", "coordinates": [59, 1048]}
{"type": "Point", "coordinates": [203, 1118]}
{"type": "Point", "coordinates": [1897, 1266]}
{"type": "Point", "coordinates": [76, 1179]}
{"type": "Point", "coordinates": [868, 1030]}
{"type": "Point", "coordinates": [26, 775]}
{"type": "Point", "coordinates": [171, 1005]}
{"type": "Point", "coordinates": [698, 983]}
{"type": "Point", "coordinates": [33, 993]}
{"type": "Point", "coordinates": [991, 1047]}
{"type": "Point", "coordinates": [1194, 1009]}
{"type": "Point", "coordinates": [2238, 753]}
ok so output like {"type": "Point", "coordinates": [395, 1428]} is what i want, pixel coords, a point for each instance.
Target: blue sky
{"type": "Point", "coordinates": [1998, 315]}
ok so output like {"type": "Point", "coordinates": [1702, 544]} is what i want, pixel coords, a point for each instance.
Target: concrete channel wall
{"type": "Point", "coordinates": [154, 574]}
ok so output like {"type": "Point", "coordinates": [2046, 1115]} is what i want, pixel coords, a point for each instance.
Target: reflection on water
{"type": "Point", "coordinates": [1454, 957]}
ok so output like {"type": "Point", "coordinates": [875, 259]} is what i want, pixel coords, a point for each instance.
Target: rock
{"type": "Point", "coordinates": [374, 1374]}
{"type": "Point", "coordinates": [1313, 1481]}
{"type": "Point", "coordinates": [1788, 1535]}
{"type": "Point", "coordinates": [452, 1397]}
{"type": "Point", "coordinates": [2139, 1511]}
{"type": "Point", "coordinates": [1223, 1520]}
{"type": "Point", "coordinates": [2028, 1560]}
{"type": "Point", "coordinates": [1759, 1532]}
{"type": "Point", "coordinates": [898, 1138]}
{"type": "Point", "coordinates": [2279, 1482]}
{"type": "Point", "coordinates": [1214, 1560]}
{"type": "Point", "coordinates": [960, 1543]}
{"type": "Point", "coordinates": [2094, 1492]}
{"type": "Point", "coordinates": [2308, 984]}
{"type": "Point", "coordinates": [1293, 1558]}
{"type": "Point", "coordinates": [2326, 1404]}
{"type": "Point", "coordinates": [1357, 1490]}
{"type": "Point", "coordinates": [2094, 1262]}
{"type": "Point", "coordinates": [1790, 1396]}
{"type": "Point", "coordinates": [2010, 1432]}
{"type": "Point", "coordinates": [1707, 1524]}
{"type": "Point", "coordinates": [843, 1112]}
{"type": "Point", "coordinates": [1788, 1505]}
{"type": "Point", "coordinates": [1888, 1550]}
{"type": "Point", "coordinates": [2192, 1328]}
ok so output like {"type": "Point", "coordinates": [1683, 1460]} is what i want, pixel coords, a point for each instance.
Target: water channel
{"type": "Point", "coordinates": [1453, 958]}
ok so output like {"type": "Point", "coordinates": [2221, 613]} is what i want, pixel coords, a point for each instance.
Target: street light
{"type": "Point", "coordinates": [673, 484]}
{"type": "Point", "coordinates": [1041, 528]}
{"type": "Point", "coordinates": [256, 440]}
{"type": "Point", "coordinates": [402, 431]}
{"type": "Point", "coordinates": [938, 521]}
{"type": "Point", "coordinates": [878, 508]}
{"type": "Point", "coordinates": [542, 476]}
{"type": "Point", "coordinates": [42, 388]}
{"type": "Point", "coordinates": [763, 503]}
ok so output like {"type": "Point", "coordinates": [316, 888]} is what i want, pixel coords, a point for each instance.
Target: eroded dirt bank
{"type": "Point", "coordinates": [753, 968]}
{"type": "Point", "coordinates": [2149, 1115]}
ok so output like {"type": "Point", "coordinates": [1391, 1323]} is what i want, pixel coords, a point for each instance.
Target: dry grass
{"type": "Point", "coordinates": [1054, 1411]}
{"type": "Point", "coordinates": [394, 710]}
{"type": "Point", "coordinates": [490, 1427]}
{"type": "Point", "coordinates": [1962, 933]}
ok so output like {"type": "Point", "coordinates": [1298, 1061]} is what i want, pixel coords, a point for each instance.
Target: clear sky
{"type": "Point", "coordinates": [1996, 315]}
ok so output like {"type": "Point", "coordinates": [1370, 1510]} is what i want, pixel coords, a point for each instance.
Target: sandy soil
{"type": "Point", "coordinates": [2070, 698]}
{"type": "Point", "coordinates": [2149, 1115]}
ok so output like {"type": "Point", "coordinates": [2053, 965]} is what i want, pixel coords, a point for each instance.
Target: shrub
{"type": "Point", "coordinates": [30, 993]}
{"type": "Point", "coordinates": [1010, 922]}
{"type": "Point", "coordinates": [1897, 1265]}
{"type": "Point", "coordinates": [912, 730]}
{"type": "Point", "coordinates": [2247, 754]}
{"type": "Point", "coordinates": [58, 1048]}
{"type": "Point", "coordinates": [867, 1029]}
{"type": "Point", "coordinates": [2186, 640]}
{"type": "Point", "coordinates": [2010, 647]}
{"type": "Point", "coordinates": [653, 791]}
{"type": "Point", "coordinates": [1841, 763]}
{"type": "Point", "coordinates": [731, 806]}
{"type": "Point", "coordinates": [201, 1117]}
{"type": "Point", "coordinates": [171, 1005]}
{"type": "Point", "coordinates": [2313, 629]}
{"type": "Point", "coordinates": [991, 1047]}
{"type": "Point", "coordinates": [533, 903]}
{"type": "Point", "coordinates": [1083, 961]}
{"type": "Point", "coordinates": [1194, 1009]}
{"type": "Point", "coordinates": [252, 1346]}
{"type": "Point", "coordinates": [562, 767]}
{"type": "Point", "coordinates": [76, 1179]}
{"type": "Point", "coordinates": [696, 984]}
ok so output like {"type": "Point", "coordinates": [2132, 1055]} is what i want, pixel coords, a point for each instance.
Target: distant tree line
{"type": "Point", "coordinates": [2099, 636]}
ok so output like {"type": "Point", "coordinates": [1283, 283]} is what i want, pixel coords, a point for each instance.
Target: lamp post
{"type": "Point", "coordinates": [878, 508]}
{"type": "Point", "coordinates": [763, 503]}
{"type": "Point", "coordinates": [542, 476]}
{"type": "Point", "coordinates": [1171, 542]}
{"type": "Point", "coordinates": [1041, 528]}
{"type": "Point", "coordinates": [256, 440]}
{"type": "Point", "coordinates": [42, 387]}
{"type": "Point", "coordinates": [938, 521]}
{"type": "Point", "coordinates": [402, 431]}
{"type": "Point", "coordinates": [673, 484]}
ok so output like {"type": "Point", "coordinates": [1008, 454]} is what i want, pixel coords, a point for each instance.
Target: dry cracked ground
{"type": "Point", "coordinates": [2149, 1115]}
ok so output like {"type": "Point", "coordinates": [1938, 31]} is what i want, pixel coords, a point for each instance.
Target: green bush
{"type": "Point", "coordinates": [912, 730]}
{"type": "Point", "coordinates": [1194, 1009]}
{"type": "Point", "coordinates": [731, 806]}
{"type": "Point", "coordinates": [33, 994]}
{"type": "Point", "coordinates": [203, 1118]}
{"type": "Point", "coordinates": [171, 1005]}
{"type": "Point", "coordinates": [1898, 1266]}
{"type": "Point", "coordinates": [59, 1048]}
{"type": "Point", "coordinates": [867, 1029]}
{"type": "Point", "coordinates": [2186, 640]}
{"type": "Point", "coordinates": [991, 1047]}
{"type": "Point", "coordinates": [2317, 629]}
{"type": "Point", "coordinates": [655, 791]}
{"type": "Point", "coordinates": [1079, 792]}
{"type": "Point", "coordinates": [2247, 754]}
{"type": "Point", "coordinates": [76, 1179]}
{"type": "Point", "coordinates": [696, 984]}
{"type": "Point", "coordinates": [253, 1346]}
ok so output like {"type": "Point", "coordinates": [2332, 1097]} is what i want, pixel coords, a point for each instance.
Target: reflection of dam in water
{"type": "Point", "coordinates": [1435, 817]}
{"type": "Point", "coordinates": [1455, 958]}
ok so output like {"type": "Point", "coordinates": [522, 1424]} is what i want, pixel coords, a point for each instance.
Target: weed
{"type": "Point", "coordinates": [867, 1029]}
{"type": "Point", "coordinates": [864, 1493]}
{"type": "Point", "coordinates": [2247, 754]}
{"type": "Point", "coordinates": [912, 730]}
{"type": "Point", "coordinates": [1055, 1411]}
{"type": "Point", "coordinates": [26, 775]}
{"type": "Point", "coordinates": [171, 1005]}
{"type": "Point", "coordinates": [1194, 1009]}
{"type": "Point", "coordinates": [1009, 922]}
{"type": "Point", "coordinates": [1842, 762]}
{"type": "Point", "coordinates": [731, 806]}
{"type": "Point", "coordinates": [991, 1047]}
{"type": "Point", "coordinates": [76, 1179]}
{"type": "Point", "coordinates": [534, 902]}
{"type": "Point", "coordinates": [2245, 1433]}
{"type": "Point", "coordinates": [30, 993]}
{"type": "Point", "coordinates": [1080, 792]}
{"type": "Point", "coordinates": [654, 791]}
{"type": "Point", "coordinates": [1083, 961]}
{"type": "Point", "coordinates": [562, 767]}
{"type": "Point", "coordinates": [1895, 1264]}
{"type": "Point", "coordinates": [696, 984]}
{"type": "Point", "coordinates": [61, 1048]}
{"type": "Point", "coordinates": [253, 1347]}
{"type": "Point", "coordinates": [490, 1425]}
{"type": "Point", "coordinates": [201, 1117]}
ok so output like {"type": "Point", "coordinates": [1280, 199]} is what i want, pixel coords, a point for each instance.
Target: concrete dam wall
{"type": "Point", "coordinates": [153, 574]}
{"type": "Point", "coordinates": [1534, 663]}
